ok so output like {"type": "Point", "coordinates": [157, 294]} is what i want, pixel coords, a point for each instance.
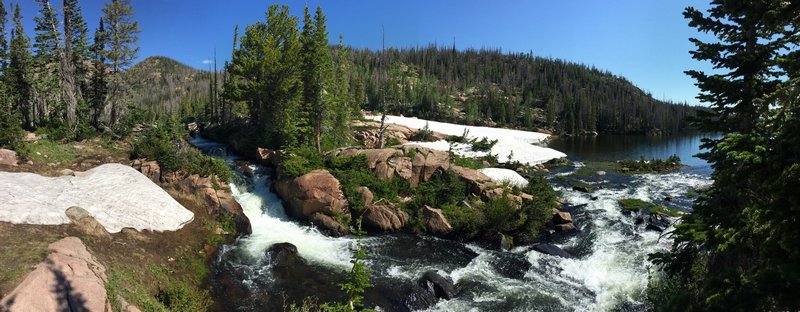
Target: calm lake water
{"type": "Point", "coordinates": [617, 147]}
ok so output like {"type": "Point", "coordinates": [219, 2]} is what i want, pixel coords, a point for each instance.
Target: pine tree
{"type": "Point", "coordinates": [19, 75]}
{"type": "Point", "coordinates": [47, 85]}
{"type": "Point", "coordinates": [740, 246]}
{"type": "Point", "coordinates": [99, 85]}
{"type": "Point", "coordinates": [3, 39]}
{"type": "Point", "coordinates": [317, 70]}
{"type": "Point", "coordinates": [265, 73]}
{"type": "Point", "coordinates": [76, 34]}
{"type": "Point", "coordinates": [121, 35]}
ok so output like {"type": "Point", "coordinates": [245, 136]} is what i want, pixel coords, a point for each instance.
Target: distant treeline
{"type": "Point", "coordinates": [508, 89]}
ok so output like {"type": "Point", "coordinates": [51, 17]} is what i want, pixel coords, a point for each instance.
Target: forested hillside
{"type": "Point", "coordinates": [515, 90]}
{"type": "Point", "coordinates": [163, 86]}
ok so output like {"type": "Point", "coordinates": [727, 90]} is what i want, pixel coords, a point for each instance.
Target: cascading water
{"type": "Point", "coordinates": [609, 271]}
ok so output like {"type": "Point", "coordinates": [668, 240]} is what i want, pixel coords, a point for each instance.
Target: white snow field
{"type": "Point", "coordinates": [505, 175]}
{"type": "Point", "coordinates": [116, 195]}
{"type": "Point", "coordinates": [512, 145]}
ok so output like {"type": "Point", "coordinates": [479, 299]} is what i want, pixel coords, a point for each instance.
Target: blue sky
{"type": "Point", "coordinates": [642, 40]}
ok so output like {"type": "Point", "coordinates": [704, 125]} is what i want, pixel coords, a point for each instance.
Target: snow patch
{"type": "Point", "coordinates": [116, 195]}
{"type": "Point", "coordinates": [512, 145]}
{"type": "Point", "coordinates": [505, 175]}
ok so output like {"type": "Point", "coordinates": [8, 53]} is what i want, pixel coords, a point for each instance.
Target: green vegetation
{"type": "Point", "coordinates": [739, 248]}
{"type": "Point", "coordinates": [165, 143]}
{"type": "Point", "coordinates": [655, 165]}
{"type": "Point", "coordinates": [46, 151]}
{"type": "Point", "coordinates": [299, 161]}
{"type": "Point", "coordinates": [423, 135]}
{"type": "Point", "coordinates": [466, 162]}
{"type": "Point", "coordinates": [353, 172]}
{"type": "Point", "coordinates": [502, 214]}
{"type": "Point", "coordinates": [638, 205]}
{"type": "Point", "coordinates": [484, 144]}
{"type": "Point", "coordinates": [166, 293]}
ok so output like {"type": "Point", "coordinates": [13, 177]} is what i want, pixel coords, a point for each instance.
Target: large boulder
{"type": "Point", "coordinates": [70, 279]}
{"type": "Point", "coordinates": [282, 254]}
{"type": "Point", "coordinates": [562, 217]}
{"type": "Point", "coordinates": [217, 199]}
{"type": "Point", "coordinates": [87, 224]}
{"type": "Point", "coordinates": [476, 181]}
{"type": "Point", "coordinates": [402, 166]}
{"type": "Point", "coordinates": [435, 221]}
{"type": "Point", "coordinates": [8, 157]}
{"type": "Point", "coordinates": [497, 240]}
{"type": "Point", "coordinates": [380, 218]}
{"type": "Point", "coordinates": [551, 249]}
{"type": "Point", "coordinates": [328, 225]}
{"type": "Point", "coordinates": [439, 286]}
{"type": "Point", "coordinates": [150, 169]}
{"type": "Point", "coordinates": [425, 162]}
{"type": "Point", "coordinates": [316, 191]}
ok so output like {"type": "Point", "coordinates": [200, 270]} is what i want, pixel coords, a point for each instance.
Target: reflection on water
{"type": "Point", "coordinates": [615, 147]}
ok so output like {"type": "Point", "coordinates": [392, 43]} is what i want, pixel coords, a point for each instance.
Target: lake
{"type": "Point", "coordinates": [617, 147]}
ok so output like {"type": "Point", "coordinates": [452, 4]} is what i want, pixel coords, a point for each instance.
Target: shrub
{"type": "Point", "coordinates": [654, 165]}
{"type": "Point", "coordinates": [539, 210]}
{"type": "Point", "coordinates": [501, 215]}
{"type": "Point", "coordinates": [466, 162]}
{"type": "Point", "coordinates": [443, 188]}
{"type": "Point", "coordinates": [484, 144]}
{"type": "Point", "coordinates": [299, 161]}
{"type": "Point", "coordinates": [466, 221]}
{"type": "Point", "coordinates": [423, 135]}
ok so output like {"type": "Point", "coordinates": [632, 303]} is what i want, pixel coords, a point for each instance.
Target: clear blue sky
{"type": "Point", "coordinates": [642, 40]}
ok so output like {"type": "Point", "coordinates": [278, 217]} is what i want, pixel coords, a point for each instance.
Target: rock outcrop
{"type": "Point", "coordinates": [383, 218]}
{"type": "Point", "coordinates": [8, 157]}
{"type": "Point", "coordinates": [315, 192]}
{"type": "Point", "coordinates": [150, 169]}
{"type": "Point", "coordinates": [86, 223]}
{"type": "Point", "coordinates": [216, 198]}
{"type": "Point", "coordinates": [70, 279]}
{"type": "Point", "coordinates": [435, 221]}
{"type": "Point", "coordinates": [415, 164]}
{"type": "Point", "coordinates": [368, 132]}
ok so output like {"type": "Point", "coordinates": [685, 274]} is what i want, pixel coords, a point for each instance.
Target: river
{"type": "Point", "coordinates": [609, 271]}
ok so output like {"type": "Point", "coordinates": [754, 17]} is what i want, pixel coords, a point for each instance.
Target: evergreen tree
{"type": "Point", "coordinates": [121, 33]}
{"type": "Point", "coordinates": [317, 71]}
{"type": "Point", "coordinates": [740, 246]}
{"type": "Point", "coordinates": [47, 85]}
{"type": "Point", "coordinates": [99, 85]}
{"type": "Point", "coordinates": [3, 39]}
{"type": "Point", "coordinates": [265, 73]}
{"type": "Point", "coordinates": [76, 34]}
{"type": "Point", "coordinates": [19, 75]}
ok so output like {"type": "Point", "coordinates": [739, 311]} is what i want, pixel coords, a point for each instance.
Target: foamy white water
{"type": "Point", "coordinates": [271, 226]}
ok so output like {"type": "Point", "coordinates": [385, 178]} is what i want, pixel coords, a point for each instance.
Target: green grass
{"type": "Point", "coordinates": [666, 211]}
{"type": "Point", "coordinates": [46, 151]}
{"type": "Point", "coordinates": [159, 288]}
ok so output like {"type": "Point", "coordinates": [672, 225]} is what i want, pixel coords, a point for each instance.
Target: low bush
{"type": "Point", "coordinates": [484, 144]}
{"type": "Point", "coordinates": [443, 188]}
{"type": "Point", "coordinates": [466, 162]}
{"type": "Point", "coordinates": [501, 215]}
{"type": "Point", "coordinates": [539, 210]}
{"type": "Point", "coordinates": [423, 135]}
{"type": "Point", "coordinates": [299, 161]}
{"type": "Point", "coordinates": [467, 222]}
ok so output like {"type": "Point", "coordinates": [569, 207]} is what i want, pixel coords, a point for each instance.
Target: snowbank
{"type": "Point", "coordinates": [505, 175]}
{"type": "Point", "coordinates": [512, 145]}
{"type": "Point", "coordinates": [116, 195]}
